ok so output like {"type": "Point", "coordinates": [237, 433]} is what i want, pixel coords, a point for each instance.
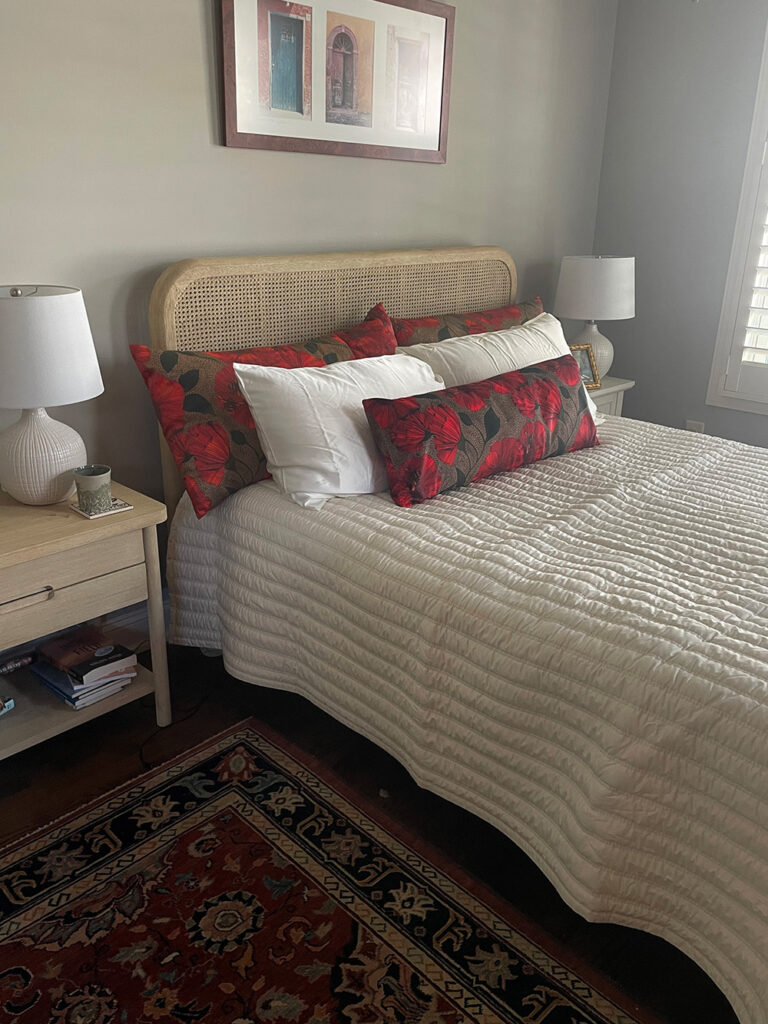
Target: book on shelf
{"type": "Point", "coordinates": [87, 655]}
{"type": "Point", "coordinates": [58, 677]}
{"type": "Point", "coordinates": [92, 698]}
{"type": "Point", "coordinates": [61, 685]}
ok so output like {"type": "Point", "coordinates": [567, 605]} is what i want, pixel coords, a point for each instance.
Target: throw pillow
{"type": "Point", "coordinates": [432, 443]}
{"type": "Point", "coordinates": [205, 419]}
{"type": "Point", "coordinates": [425, 329]}
{"type": "Point", "coordinates": [480, 356]}
{"type": "Point", "coordinates": [313, 427]}
{"type": "Point", "coordinates": [375, 336]}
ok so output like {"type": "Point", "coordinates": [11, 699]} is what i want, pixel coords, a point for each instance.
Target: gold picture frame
{"type": "Point", "coordinates": [585, 357]}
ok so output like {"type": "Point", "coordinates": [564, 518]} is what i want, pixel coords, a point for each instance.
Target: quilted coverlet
{"type": "Point", "coordinates": [576, 651]}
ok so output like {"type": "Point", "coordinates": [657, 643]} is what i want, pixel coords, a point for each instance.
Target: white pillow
{"type": "Point", "coordinates": [480, 356]}
{"type": "Point", "coordinates": [312, 425]}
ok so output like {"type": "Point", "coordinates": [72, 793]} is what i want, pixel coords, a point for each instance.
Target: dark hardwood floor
{"type": "Point", "coordinates": [47, 781]}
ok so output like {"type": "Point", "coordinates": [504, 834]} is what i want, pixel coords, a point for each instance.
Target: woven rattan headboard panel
{"type": "Point", "coordinates": [230, 303]}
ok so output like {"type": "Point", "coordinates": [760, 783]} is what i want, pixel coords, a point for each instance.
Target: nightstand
{"type": "Point", "coordinates": [609, 397]}
{"type": "Point", "coordinates": [58, 569]}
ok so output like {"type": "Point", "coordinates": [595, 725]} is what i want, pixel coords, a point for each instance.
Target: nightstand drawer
{"type": "Point", "coordinates": [609, 405]}
{"type": "Point", "coordinates": [609, 397]}
{"type": "Point", "coordinates": [35, 615]}
{"type": "Point", "coordinates": [68, 567]}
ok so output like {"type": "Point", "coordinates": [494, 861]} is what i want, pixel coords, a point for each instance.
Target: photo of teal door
{"type": "Point", "coordinates": [287, 42]}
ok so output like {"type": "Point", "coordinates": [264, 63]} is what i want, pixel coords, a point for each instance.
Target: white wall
{"type": "Point", "coordinates": [682, 94]}
{"type": "Point", "coordinates": [111, 167]}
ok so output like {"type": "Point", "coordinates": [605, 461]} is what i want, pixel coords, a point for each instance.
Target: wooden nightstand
{"type": "Point", "coordinates": [58, 569]}
{"type": "Point", "coordinates": [609, 397]}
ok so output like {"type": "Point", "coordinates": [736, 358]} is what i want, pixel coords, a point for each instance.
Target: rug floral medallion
{"type": "Point", "coordinates": [236, 886]}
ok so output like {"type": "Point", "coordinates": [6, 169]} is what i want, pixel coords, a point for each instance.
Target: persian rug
{"type": "Point", "coordinates": [237, 885]}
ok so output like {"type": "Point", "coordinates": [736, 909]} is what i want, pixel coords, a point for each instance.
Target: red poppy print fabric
{"type": "Point", "coordinates": [425, 329]}
{"type": "Point", "coordinates": [432, 443]}
{"type": "Point", "coordinates": [375, 336]}
{"type": "Point", "coordinates": [204, 417]}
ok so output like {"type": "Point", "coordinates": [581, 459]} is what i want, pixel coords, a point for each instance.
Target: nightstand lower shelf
{"type": "Point", "coordinates": [38, 715]}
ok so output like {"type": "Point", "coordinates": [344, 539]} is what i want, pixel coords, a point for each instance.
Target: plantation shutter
{"type": "Point", "coordinates": [747, 370]}
{"type": "Point", "coordinates": [739, 378]}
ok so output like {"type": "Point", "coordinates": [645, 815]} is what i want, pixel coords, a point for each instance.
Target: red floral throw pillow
{"type": "Point", "coordinates": [432, 443]}
{"type": "Point", "coordinates": [425, 329]}
{"type": "Point", "coordinates": [205, 419]}
{"type": "Point", "coordinates": [207, 422]}
{"type": "Point", "coordinates": [375, 336]}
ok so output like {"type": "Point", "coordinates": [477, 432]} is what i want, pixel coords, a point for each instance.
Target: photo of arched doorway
{"type": "Point", "coordinates": [349, 70]}
{"type": "Point", "coordinates": [342, 72]}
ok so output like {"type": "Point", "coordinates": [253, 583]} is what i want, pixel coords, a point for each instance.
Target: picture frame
{"type": "Point", "coordinates": [585, 357]}
{"type": "Point", "coordinates": [366, 78]}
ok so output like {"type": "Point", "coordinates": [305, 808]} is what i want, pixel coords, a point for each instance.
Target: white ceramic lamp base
{"type": "Point", "coordinates": [37, 458]}
{"type": "Point", "coordinates": [602, 349]}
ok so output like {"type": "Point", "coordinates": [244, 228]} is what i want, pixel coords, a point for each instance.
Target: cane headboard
{"type": "Point", "coordinates": [227, 303]}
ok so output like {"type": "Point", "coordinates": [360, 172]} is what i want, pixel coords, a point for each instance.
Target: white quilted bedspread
{"type": "Point", "coordinates": [576, 651]}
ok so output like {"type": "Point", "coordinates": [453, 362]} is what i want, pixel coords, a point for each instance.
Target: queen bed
{"type": "Point", "coordinates": [576, 651]}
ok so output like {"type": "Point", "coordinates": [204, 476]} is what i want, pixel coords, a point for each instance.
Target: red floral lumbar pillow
{"type": "Point", "coordinates": [426, 329]}
{"type": "Point", "coordinates": [432, 443]}
{"type": "Point", "coordinates": [207, 422]}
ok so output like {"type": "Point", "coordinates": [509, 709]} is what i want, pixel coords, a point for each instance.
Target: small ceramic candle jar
{"type": "Point", "coordinates": [94, 488]}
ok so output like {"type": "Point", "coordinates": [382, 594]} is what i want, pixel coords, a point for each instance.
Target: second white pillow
{"type": "Point", "coordinates": [312, 424]}
{"type": "Point", "coordinates": [480, 356]}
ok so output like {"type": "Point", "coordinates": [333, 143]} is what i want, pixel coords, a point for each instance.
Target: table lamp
{"type": "Point", "coordinates": [595, 288]}
{"type": "Point", "coordinates": [47, 357]}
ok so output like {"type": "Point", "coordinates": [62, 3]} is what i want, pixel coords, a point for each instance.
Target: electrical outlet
{"type": "Point", "coordinates": [695, 425]}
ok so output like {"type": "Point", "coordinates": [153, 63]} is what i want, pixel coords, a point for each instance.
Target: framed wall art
{"type": "Point", "coordinates": [344, 77]}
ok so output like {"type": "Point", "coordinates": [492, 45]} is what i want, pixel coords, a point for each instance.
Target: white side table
{"type": "Point", "coordinates": [58, 569]}
{"type": "Point", "coordinates": [609, 397]}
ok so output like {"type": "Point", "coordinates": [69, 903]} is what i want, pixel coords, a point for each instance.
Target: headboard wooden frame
{"type": "Point", "coordinates": [224, 303]}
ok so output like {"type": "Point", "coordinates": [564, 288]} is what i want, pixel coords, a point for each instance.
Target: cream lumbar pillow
{"type": "Point", "coordinates": [477, 357]}
{"type": "Point", "coordinates": [312, 425]}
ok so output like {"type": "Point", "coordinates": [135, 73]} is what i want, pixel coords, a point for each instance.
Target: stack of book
{"type": "Point", "coordinates": [83, 667]}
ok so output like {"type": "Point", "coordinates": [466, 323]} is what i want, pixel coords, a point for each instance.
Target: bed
{"type": "Point", "coordinates": [577, 652]}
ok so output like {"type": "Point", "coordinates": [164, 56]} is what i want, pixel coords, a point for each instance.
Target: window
{"type": "Point", "coordinates": [739, 377]}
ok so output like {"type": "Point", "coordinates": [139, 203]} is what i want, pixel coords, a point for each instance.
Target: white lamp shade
{"type": "Point", "coordinates": [47, 355]}
{"type": "Point", "coordinates": [596, 288]}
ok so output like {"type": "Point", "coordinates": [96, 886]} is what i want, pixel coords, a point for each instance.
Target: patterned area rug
{"type": "Point", "coordinates": [237, 885]}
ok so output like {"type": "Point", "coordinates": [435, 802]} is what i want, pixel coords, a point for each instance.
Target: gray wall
{"type": "Point", "coordinates": [111, 167]}
{"type": "Point", "coordinates": [682, 94]}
